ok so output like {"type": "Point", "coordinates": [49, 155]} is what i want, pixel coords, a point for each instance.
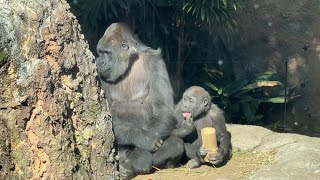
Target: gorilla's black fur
{"type": "Point", "coordinates": [194, 112]}
{"type": "Point", "coordinates": [136, 83]}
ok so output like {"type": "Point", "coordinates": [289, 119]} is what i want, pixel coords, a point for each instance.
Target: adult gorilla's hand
{"type": "Point", "coordinates": [155, 145]}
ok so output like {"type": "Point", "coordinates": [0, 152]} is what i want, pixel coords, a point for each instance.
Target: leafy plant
{"type": "Point", "coordinates": [246, 100]}
{"type": "Point", "coordinates": [182, 28]}
{"type": "Point", "coordinates": [214, 13]}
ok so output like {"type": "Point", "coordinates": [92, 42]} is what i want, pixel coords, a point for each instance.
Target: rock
{"type": "Point", "coordinates": [47, 87]}
{"type": "Point", "coordinates": [245, 137]}
{"type": "Point", "coordinates": [296, 156]}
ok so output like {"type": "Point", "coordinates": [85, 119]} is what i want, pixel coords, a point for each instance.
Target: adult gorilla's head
{"type": "Point", "coordinates": [117, 50]}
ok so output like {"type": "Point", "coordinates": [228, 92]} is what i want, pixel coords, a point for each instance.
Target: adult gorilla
{"type": "Point", "coordinates": [136, 83]}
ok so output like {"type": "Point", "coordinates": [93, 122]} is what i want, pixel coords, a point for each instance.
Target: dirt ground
{"type": "Point", "coordinates": [241, 166]}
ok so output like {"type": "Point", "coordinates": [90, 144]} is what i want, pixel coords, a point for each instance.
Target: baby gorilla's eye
{"type": "Point", "coordinates": [125, 46]}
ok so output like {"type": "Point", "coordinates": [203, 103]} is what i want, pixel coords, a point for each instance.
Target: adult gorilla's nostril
{"type": "Point", "coordinates": [100, 62]}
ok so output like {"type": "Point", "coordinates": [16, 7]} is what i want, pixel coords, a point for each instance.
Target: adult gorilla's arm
{"type": "Point", "coordinates": [162, 97]}
{"type": "Point", "coordinates": [128, 135]}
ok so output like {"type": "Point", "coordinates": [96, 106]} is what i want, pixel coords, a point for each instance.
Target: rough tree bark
{"type": "Point", "coordinates": [53, 122]}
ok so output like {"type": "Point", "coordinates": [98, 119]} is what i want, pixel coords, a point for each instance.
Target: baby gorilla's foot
{"type": "Point", "coordinates": [193, 163]}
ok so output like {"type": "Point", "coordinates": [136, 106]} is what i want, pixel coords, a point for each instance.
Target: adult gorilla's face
{"type": "Point", "coordinates": [117, 52]}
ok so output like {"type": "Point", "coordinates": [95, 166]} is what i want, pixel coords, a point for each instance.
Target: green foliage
{"type": "Point", "coordinates": [158, 17]}
{"type": "Point", "coordinates": [182, 29]}
{"type": "Point", "coordinates": [214, 13]}
{"type": "Point", "coordinates": [94, 11]}
{"type": "Point", "coordinates": [245, 100]}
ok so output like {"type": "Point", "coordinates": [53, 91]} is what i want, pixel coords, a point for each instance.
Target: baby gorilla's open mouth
{"type": "Point", "coordinates": [186, 115]}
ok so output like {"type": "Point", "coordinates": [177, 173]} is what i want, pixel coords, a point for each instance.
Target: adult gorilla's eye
{"type": "Point", "coordinates": [125, 46]}
{"type": "Point", "coordinates": [105, 52]}
{"type": "Point", "coordinates": [185, 98]}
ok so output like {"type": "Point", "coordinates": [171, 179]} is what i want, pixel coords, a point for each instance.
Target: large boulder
{"type": "Point", "coordinates": [296, 156]}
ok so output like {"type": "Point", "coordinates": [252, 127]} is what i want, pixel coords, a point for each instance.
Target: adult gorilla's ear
{"type": "Point", "coordinates": [132, 50]}
{"type": "Point", "coordinates": [205, 102]}
{"type": "Point", "coordinates": [125, 46]}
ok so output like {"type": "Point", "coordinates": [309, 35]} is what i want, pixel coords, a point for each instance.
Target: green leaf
{"type": "Point", "coordinates": [266, 76]}
{"type": "Point", "coordinates": [213, 73]}
{"type": "Point", "coordinates": [235, 87]}
{"type": "Point", "coordinates": [202, 14]}
{"type": "Point", "coordinates": [189, 9]}
{"type": "Point", "coordinates": [275, 100]}
{"type": "Point", "coordinates": [262, 84]}
{"type": "Point", "coordinates": [259, 116]}
{"type": "Point", "coordinates": [224, 3]}
{"type": "Point", "coordinates": [213, 87]}
{"type": "Point", "coordinates": [186, 5]}
{"type": "Point", "coordinates": [293, 97]}
{"type": "Point", "coordinates": [280, 100]}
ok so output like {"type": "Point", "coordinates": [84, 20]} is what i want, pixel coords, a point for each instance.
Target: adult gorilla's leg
{"type": "Point", "coordinates": [169, 154]}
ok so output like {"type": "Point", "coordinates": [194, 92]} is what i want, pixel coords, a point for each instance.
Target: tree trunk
{"type": "Point", "coordinates": [53, 123]}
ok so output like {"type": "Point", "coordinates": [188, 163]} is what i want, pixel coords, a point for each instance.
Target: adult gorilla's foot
{"type": "Point", "coordinates": [126, 171]}
{"type": "Point", "coordinates": [169, 154]}
{"type": "Point", "coordinates": [141, 161]}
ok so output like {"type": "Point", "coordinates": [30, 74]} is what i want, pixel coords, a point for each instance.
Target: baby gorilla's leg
{"type": "Point", "coordinates": [194, 163]}
{"type": "Point", "coordinates": [192, 154]}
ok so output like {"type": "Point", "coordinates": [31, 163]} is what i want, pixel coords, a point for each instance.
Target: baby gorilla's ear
{"type": "Point", "coordinates": [205, 102]}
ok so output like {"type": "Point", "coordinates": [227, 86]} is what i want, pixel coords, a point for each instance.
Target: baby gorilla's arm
{"type": "Point", "coordinates": [187, 127]}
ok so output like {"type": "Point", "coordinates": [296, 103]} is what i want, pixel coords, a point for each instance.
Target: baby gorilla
{"type": "Point", "coordinates": [194, 112]}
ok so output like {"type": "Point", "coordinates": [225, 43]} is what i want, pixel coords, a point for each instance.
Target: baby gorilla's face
{"type": "Point", "coordinates": [194, 102]}
{"type": "Point", "coordinates": [191, 106]}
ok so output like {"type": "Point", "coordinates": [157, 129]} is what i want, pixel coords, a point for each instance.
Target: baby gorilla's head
{"type": "Point", "coordinates": [195, 102]}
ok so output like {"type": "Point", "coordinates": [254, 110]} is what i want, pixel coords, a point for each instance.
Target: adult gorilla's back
{"type": "Point", "coordinates": [136, 83]}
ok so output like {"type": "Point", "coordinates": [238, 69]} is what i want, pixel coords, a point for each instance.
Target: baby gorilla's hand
{"type": "Point", "coordinates": [188, 124]}
{"type": "Point", "coordinates": [203, 151]}
{"type": "Point", "coordinates": [216, 158]}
